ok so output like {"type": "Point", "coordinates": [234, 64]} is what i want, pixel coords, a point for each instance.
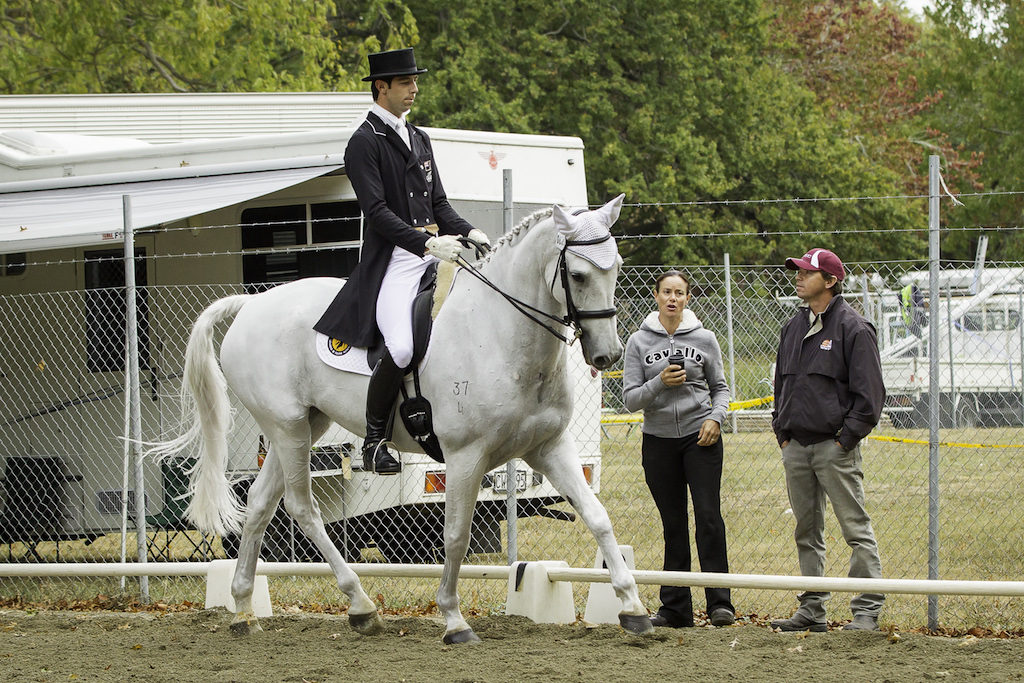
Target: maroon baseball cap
{"type": "Point", "coordinates": [818, 259]}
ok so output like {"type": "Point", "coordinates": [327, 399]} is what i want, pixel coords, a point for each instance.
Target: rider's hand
{"type": "Point", "coordinates": [444, 247]}
{"type": "Point", "coordinates": [479, 236]}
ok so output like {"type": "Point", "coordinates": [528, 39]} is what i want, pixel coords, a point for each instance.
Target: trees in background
{"type": "Point", "coordinates": [676, 102]}
{"type": "Point", "coordinates": [169, 46]}
{"type": "Point", "coordinates": [973, 52]}
{"type": "Point", "coordinates": [705, 114]}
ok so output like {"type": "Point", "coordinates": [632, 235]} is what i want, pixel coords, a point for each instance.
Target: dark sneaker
{"type": "Point", "coordinates": [722, 616]}
{"type": "Point", "coordinates": [800, 622]}
{"type": "Point", "coordinates": [660, 620]}
{"type": "Point", "coordinates": [862, 622]}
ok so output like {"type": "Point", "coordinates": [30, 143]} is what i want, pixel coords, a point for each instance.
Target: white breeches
{"type": "Point", "coordinates": [394, 302]}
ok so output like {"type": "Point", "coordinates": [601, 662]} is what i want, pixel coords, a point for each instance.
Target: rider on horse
{"type": "Point", "coordinates": [391, 166]}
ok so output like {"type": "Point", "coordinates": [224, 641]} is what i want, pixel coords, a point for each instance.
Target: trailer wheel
{"type": "Point", "coordinates": [902, 419]}
{"type": "Point", "coordinates": [415, 536]}
{"type": "Point", "coordinates": [966, 413]}
{"type": "Point", "coordinates": [406, 549]}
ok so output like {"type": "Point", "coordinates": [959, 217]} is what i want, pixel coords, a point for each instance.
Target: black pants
{"type": "Point", "coordinates": [670, 467]}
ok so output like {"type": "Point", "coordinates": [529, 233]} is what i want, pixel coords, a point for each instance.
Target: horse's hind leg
{"type": "Point", "coordinates": [302, 506]}
{"type": "Point", "coordinates": [264, 495]}
{"type": "Point", "coordinates": [562, 466]}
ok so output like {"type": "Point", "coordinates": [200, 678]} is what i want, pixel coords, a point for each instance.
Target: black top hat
{"type": "Point", "coordinates": [392, 63]}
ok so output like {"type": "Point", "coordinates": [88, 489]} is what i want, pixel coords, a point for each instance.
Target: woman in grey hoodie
{"type": "Point", "coordinates": [673, 372]}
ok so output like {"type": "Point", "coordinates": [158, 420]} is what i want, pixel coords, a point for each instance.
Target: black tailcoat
{"type": "Point", "coordinates": [398, 190]}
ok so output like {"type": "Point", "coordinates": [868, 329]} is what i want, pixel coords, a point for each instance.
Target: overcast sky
{"type": "Point", "coordinates": [917, 5]}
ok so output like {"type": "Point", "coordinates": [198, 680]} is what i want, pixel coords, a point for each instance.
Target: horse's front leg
{"type": "Point", "coordinates": [561, 465]}
{"type": "Point", "coordinates": [461, 488]}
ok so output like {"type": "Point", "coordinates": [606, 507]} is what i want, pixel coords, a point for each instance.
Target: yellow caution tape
{"type": "Point", "coordinates": [751, 403]}
{"type": "Point", "coordinates": [634, 418]}
{"type": "Point", "coordinates": [637, 418]}
{"type": "Point", "coordinates": [952, 444]}
{"type": "Point", "coordinates": [734, 405]}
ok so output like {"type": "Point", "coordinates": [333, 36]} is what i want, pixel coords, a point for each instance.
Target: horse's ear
{"type": "Point", "coordinates": [610, 211]}
{"type": "Point", "coordinates": [563, 220]}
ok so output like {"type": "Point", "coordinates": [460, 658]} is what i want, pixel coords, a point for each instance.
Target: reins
{"type": "Point", "coordinates": [573, 315]}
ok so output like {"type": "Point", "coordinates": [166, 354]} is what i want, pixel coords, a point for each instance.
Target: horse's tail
{"type": "Point", "coordinates": [206, 416]}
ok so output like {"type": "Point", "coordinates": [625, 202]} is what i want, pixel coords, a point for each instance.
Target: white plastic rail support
{"type": "Point", "coordinates": [218, 589]}
{"type": "Point", "coordinates": [603, 606]}
{"type": "Point", "coordinates": [533, 595]}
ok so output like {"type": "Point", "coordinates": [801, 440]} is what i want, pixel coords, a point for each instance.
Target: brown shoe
{"type": "Point", "coordinates": [862, 622]}
{"type": "Point", "coordinates": [722, 616]}
{"type": "Point", "coordinates": [800, 622]}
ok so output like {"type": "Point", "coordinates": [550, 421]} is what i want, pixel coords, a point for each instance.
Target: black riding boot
{"type": "Point", "coordinates": [385, 383]}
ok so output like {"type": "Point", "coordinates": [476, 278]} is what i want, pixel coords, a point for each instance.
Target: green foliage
{"type": "Point", "coordinates": [676, 102]}
{"type": "Point", "coordinates": [975, 55]}
{"type": "Point", "coordinates": [81, 46]}
{"type": "Point", "coordinates": [710, 116]}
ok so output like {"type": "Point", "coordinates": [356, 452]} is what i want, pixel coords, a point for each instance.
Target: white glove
{"type": "Point", "coordinates": [444, 247]}
{"type": "Point", "coordinates": [479, 236]}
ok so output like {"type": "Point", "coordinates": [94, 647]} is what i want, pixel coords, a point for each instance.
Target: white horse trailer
{"type": "Point", "coordinates": [227, 193]}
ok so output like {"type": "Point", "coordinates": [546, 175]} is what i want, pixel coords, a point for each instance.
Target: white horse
{"type": "Point", "coordinates": [516, 400]}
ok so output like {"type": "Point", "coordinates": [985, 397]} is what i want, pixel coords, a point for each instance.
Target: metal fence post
{"type": "Point", "coordinates": [135, 432]}
{"type": "Point", "coordinates": [732, 346]}
{"type": "Point", "coordinates": [511, 505]}
{"type": "Point", "coordinates": [949, 337]}
{"type": "Point", "coordinates": [933, 388]}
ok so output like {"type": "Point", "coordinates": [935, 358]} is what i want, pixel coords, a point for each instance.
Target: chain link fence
{"type": "Point", "coordinates": [68, 485]}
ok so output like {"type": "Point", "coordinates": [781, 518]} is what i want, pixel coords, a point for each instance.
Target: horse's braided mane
{"type": "Point", "coordinates": [510, 237]}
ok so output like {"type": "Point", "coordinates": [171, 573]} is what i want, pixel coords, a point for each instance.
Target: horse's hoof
{"type": "Point", "coordinates": [466, 636]}
{"type": "Point", "coordinates": [245, 626]}
{"type": "Point", "coordinates": [368, 624]}
{"type": "Point", "coordinates": [639, 624]}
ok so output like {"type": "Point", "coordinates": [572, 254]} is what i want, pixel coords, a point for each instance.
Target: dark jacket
{"type": "Point", "coordinates": [828, 385]}
{"type": "Point", "coordinates": [398, 190]}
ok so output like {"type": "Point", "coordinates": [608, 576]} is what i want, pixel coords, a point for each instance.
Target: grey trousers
{"type": "Point", "coordinates": [813, 472]}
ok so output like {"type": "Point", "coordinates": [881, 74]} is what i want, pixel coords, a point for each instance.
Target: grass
{"type": "Point", "coordinates": [980, 516]}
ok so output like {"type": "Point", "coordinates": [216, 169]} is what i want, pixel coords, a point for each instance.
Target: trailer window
{"type": "Point", "coordinates": [991, 320]}
{"type": "Point", "coordinates": [269, 231]}
{"type": "Point", "coordinates": [105, 310]}
{"type": "Point", "coordinates": [12, 264]}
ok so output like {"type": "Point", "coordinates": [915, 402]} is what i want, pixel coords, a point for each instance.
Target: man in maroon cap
{"type": "Point", "coordinates": [828, 396]}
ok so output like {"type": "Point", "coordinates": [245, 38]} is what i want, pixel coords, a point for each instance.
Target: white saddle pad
{"type": "Point", "coordinates": [341, 356]}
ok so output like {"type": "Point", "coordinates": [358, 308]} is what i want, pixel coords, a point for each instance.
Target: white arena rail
{"type": "Point", "coordinates": [659, 578]}
{"type": "Point", "coordinates": [538, 590]}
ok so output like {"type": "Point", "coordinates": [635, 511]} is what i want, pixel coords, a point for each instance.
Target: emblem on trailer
{"type": "Point", "coordinates": [338, 347]}
{"type": "Point", "coordinates": [492, 157]}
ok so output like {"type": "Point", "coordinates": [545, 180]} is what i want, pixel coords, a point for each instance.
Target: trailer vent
{"type": "Point", "coordinates": [109, 502]}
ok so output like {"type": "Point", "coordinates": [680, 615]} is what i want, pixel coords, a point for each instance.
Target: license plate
{"type": "Point", "coordinates": [501, 481]}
